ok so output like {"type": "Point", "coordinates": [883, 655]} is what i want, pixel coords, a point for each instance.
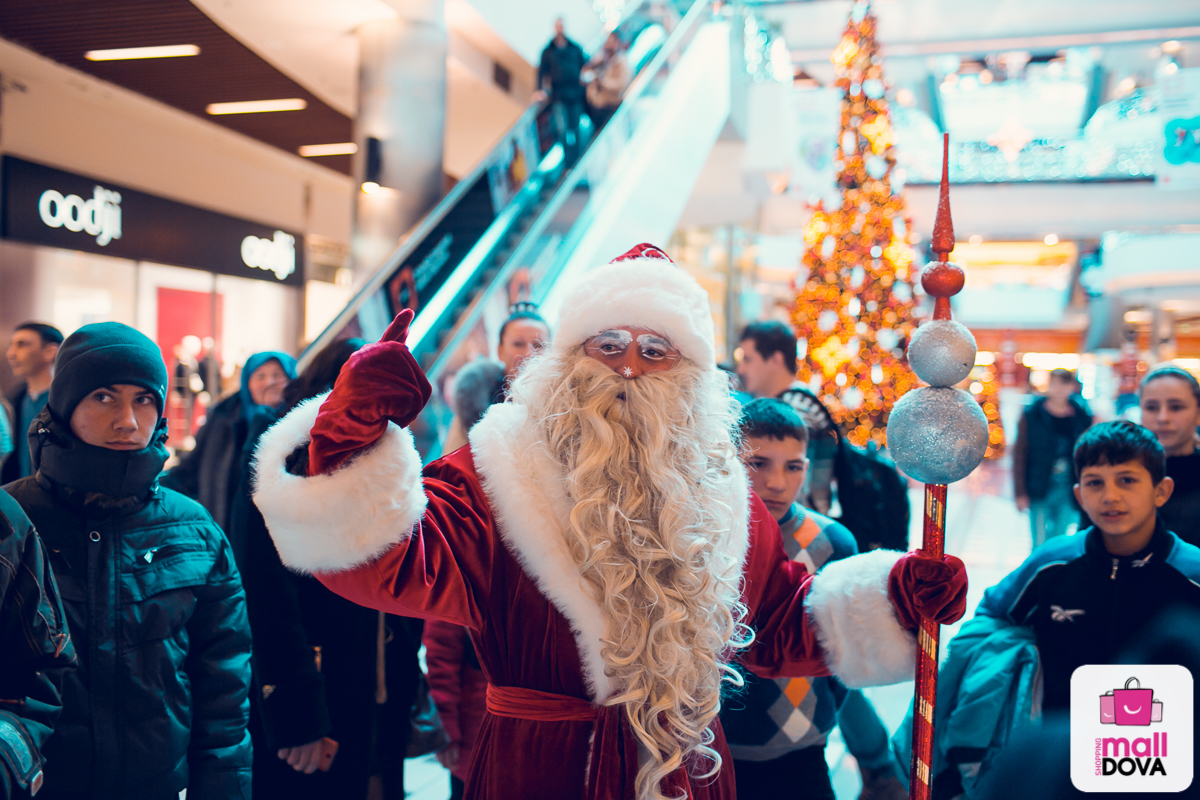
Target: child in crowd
{"type": "Point", "coordinates": [1087, 596]}
{"type": "Point", "coordinates": [152, 596]}
{"type": "Point", "coordinates": [1170, 401]}
{"type": "Point", "coordinates": [484, 382]}
{"type": "Point", "coordinates": [777, 728]}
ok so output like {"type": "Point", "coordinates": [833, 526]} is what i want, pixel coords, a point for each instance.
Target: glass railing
{"type": "Point", "coordinates": [530, 270]}
{"type": "Point", "coordinates": [453, 252]}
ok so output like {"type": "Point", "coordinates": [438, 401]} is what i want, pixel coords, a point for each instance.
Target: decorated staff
{"type": "Point", "coordinates": [938, 435]}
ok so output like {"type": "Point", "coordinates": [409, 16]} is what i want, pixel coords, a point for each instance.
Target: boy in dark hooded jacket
{"type": "Point", "coordinates": [152, 595]}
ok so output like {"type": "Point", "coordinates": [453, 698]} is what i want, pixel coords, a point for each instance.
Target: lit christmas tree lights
{"type": "Point", "coordinates": [988, 395]}
{"type": "Point", "coordinates": [854, 307]}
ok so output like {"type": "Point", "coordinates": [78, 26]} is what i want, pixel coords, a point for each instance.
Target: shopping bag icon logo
{"type": "Point", "coordinates": [1130, 706]}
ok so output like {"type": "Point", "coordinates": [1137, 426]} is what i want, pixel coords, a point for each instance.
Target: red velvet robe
{"type": "Point", "coordinates": [466, 561]}
{"type": "Point", "coordinates": [455, 568]}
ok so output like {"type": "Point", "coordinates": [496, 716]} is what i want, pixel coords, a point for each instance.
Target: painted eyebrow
{"type": "Point", "coordinates": [650, 340]}
{"type": "Point", "coordinates": [623, 337]}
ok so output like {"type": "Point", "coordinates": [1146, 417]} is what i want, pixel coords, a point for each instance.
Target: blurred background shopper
{"type": "Point", "coordinates": [1042, 469]}
{"type": "Point", "coordinates": [607, 75]}
{"type": "Point", "coordinates": [332, 679]}
{"type": "Point", "coordinates": [1170, 403]}
{"type": "Point", "coordinates": [31, 353]}
{"type": "Point", "coordinates": [210, 471]}
{"type": "Point", "coordinates": [484, 382]}
{"type": "Point", "coordinates": [559, 79]}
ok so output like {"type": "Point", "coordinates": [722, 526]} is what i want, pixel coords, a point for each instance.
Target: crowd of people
{"type": "Point", "coordinates": [635, 581]}
{"type": "Point", "coordinates": [574, 85]}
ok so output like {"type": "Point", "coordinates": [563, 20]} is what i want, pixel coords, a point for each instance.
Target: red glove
{"type": "Point", "coordinates": [380, 383]}
{"type": "Point", "coordinates": [920, 585]}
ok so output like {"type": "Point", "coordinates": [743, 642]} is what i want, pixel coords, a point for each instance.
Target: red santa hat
{"type": "Point", "coordinates": [645, 289]}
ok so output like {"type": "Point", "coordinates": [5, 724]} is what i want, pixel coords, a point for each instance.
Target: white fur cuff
{"type": "Point", "coordinates": [327, 523]}
{"type": "Point", "coordinates": [856, 625]}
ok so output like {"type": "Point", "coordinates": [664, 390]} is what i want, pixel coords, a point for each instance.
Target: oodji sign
{"type": "Point", "coordinates": [47, 206]}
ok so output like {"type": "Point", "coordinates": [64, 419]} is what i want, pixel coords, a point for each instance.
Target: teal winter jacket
{"type": "Point", "coordinates": [157, 614]}
{"type": "Point", "coordinates": [988, 688]}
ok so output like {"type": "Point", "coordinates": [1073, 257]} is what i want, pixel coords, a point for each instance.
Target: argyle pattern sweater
{"type": "Point", "coordinates": [772, 717]}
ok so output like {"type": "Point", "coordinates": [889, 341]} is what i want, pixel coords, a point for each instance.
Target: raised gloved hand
{"type": "Point", "coordinates": [920, 585]}
{"type": "Point", "coordinates": [381, 383]}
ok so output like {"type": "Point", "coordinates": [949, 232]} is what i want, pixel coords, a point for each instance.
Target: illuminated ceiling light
{"type": "Point", "coordinates": [1051, 239]}
{"type": "Point", "coordinates": [1011, 138]}
{"type": "Point", "coordinates": [339, 149]}
{"type": "Point", "coordinates": [976, 240]}
{"type": "Point", "coordinates": [130, 53]}
{"type": "Point", "coordinates": [371, 187]}
{"type": "Point", "coordinates": [257, 106]}
{"type": "Point", "coordinates": [1139, 316]}
{"type": "Point", "coordinates": [1171, 47]}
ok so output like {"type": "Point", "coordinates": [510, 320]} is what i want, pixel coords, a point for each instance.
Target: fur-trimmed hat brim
{"type": "Point", "coordinates": [648, 293]}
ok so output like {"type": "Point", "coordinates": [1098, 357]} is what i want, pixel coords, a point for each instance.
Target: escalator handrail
{"type": "Point", "coordinates": [680, 36]}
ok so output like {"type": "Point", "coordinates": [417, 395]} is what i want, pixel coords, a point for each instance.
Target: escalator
{"type": "Point", "coordinates": [524, 219]}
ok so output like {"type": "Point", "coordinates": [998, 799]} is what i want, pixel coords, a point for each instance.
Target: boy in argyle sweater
{"type": "Point", "coordinates": [777, 728]}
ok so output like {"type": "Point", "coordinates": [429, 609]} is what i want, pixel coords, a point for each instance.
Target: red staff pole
{"type": "Point", "coordinates": [941, 280]}
{"type": "Point", "coordinates": [932, 542]}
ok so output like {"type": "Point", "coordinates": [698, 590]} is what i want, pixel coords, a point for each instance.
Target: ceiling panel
{"type": "Point", "coordinates": [225, 70]}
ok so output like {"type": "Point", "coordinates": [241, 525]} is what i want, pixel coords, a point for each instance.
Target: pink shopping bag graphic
{"type": "Point", "coordinates": [1127, 706]}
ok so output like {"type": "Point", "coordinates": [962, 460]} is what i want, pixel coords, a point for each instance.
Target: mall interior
{"type": "Point", "coordinates": [269, 175]}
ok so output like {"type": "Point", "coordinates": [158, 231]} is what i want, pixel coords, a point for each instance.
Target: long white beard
{"type": "Point", "coordinates": [650, 465]}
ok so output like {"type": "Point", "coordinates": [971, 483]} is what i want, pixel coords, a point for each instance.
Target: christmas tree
{"type": "Point", "coordinates": [986, 389]}
{"type": "Point", "coordinates": [854, 307]}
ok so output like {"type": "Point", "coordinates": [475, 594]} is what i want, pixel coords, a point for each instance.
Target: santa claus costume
{"type": "Point", "coordinates": [598, 540]}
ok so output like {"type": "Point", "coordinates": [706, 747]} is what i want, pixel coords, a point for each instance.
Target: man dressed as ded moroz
{"type": "Point", "coordinates": [598, 540]}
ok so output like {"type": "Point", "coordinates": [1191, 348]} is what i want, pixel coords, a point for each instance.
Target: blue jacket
{"type": "Point", "coordinates": [1085, 605]}
{"type": "Point", "coordinates": [989, 686]}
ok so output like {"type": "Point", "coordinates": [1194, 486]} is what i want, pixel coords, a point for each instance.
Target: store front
{"type": "Point", "coordinates": [210, 289]}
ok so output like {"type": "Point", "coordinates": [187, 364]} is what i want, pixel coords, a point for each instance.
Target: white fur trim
{"type": "Point", "coordinates": [739, 535]}
{"type": "Point", "coordinates": [334, 522]}
{"type": "Point", "coordinates": [643, 292]}
{"type": "Point", "coordinates": [525, 489]}
{"type": "Point", "coordinates": [857, 627]}
{"type": "Point", "coordinates": [524, 486]}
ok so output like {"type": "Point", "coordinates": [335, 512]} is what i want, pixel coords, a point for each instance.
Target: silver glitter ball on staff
{"type": "Point", "coordinates": [941, 352]}
{"type": "Point", "coordinates": [937, 434]}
